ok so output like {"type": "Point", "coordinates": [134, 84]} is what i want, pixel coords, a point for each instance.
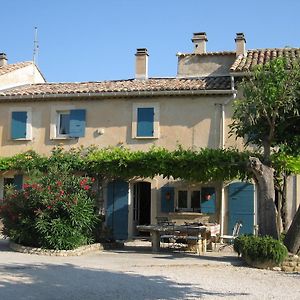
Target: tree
{"type": "Point", "coordinates": [267, 116]}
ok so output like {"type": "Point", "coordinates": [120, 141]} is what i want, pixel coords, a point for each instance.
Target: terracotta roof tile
{"type": "Point", "coordinates": [262, 56]}
{"type": "Point", "coordinates": [12, 67]}
{"type": "Point", "coordinates": [131, 85]}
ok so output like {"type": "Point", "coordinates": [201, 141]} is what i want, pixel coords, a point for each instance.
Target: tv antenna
{"type": "Point", "coordinates": [35, 47]}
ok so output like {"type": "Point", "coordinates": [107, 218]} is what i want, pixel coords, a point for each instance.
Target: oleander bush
{"type": "Point", "coordinates": [54, 211]}
{"type": "Point", "coordinates": [260, 248]}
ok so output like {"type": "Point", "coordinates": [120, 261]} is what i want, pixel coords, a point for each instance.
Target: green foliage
{"type": "Point", "coordinates": [203, 165]}
{"type": "Point", "coordinates": [260, 248]}
{"type": "Point", "coordinates": [269, 113]}
{"type": "Point", "coordinates": [54, 212]}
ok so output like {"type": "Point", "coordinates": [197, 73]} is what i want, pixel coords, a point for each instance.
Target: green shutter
{"type": "Point", "coordinates": [18, 124]}
{"type": "Point", "coordinates": [77, 123]}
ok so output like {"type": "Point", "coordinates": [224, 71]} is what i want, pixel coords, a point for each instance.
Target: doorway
{"type": "Point", "coordinates": [241, 207]}
{"type": "Point", "coordinates": [141, 204]}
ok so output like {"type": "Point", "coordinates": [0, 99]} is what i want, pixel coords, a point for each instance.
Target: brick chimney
{"type": "Point", "coordinates": [240, 43]}
{"type": "Point", "coordinates": [3, 59]}
{"type": "Point", "coordinates": [199, 39]}
{"type": "Point", "coordinates": [141, 63]}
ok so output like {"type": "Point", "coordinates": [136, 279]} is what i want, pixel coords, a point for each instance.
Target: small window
{"type": "Point", "coordinates": [63, 126]}
{"type": "Point", "coordinates": [194, 200]}
{"type": "Point", "coordinates": [70, 124]}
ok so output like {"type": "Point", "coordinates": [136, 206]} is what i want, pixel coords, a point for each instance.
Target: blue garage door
{"type": "Point", "coordinates": [241, 206]}
{"type": "Point", "coordinates": [117, 209]}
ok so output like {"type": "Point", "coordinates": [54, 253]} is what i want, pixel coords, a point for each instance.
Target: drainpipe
{"type": "Point", "coordinates": [223, 120]}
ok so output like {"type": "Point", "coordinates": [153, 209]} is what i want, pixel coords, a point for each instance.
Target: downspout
{"type": "Point", "coordinates": [223, 120]}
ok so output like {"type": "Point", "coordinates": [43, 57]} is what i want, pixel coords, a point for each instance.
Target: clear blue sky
{"type": "Point", "coordinates": [94, 40]}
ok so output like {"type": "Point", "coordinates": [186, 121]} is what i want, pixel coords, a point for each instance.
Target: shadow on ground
{"type": "Point", "coordinates": [67, 281]}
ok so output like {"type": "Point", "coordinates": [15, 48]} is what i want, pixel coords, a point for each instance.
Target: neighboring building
{"type": "Point", "coordinates": [12, 75]}
{"type": "Point", "coordinates": [192, 110]}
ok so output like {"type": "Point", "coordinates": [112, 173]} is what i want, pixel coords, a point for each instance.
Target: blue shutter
{"type": "Point", "coordinates": [145, 121]}
{"type": "Point", "coordinates": [18, 181]}
{"type": "Point", "coordinates": [167, 199]}
{"type": "Point", "coordinates": [208, 200]}
{"type": "Point", "coordinates": [77, 122]}
{"type": "Point", "coordinates": [117, 209]}
{"type": "Point", "coordinates": [18, 126]}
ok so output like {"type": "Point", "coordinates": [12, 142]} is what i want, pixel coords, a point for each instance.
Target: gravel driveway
{"type": "Point", "coordinates": [136, 273]}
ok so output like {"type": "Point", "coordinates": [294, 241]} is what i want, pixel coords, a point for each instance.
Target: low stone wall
{"type": "Point", "coordinates": [291, 264]}
{"type": "Point", "coordinates": [40, 251]}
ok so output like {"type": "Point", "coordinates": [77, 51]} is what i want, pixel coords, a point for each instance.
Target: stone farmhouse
{"type": "Point", "coordinates": [192, 109]}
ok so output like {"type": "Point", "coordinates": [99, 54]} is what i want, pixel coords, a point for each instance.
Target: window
{"type": "Point", "coordinates": [67, 123]}
{"type": "Point", "coordinates": [196, 200]}
{"type": "Point", "coordinates": [63, 123]}
{"type": "Point", "coordinates": [145, 120]}
{"type": "Point", "coordinates": [21, 128]}
{"type": "Point", "coordinates": [188, 200]}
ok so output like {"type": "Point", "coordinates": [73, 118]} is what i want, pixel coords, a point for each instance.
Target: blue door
{"type": "Point", "coordinates": [241, 206]}
{"type": "Point", "coordinates": [117, 209]}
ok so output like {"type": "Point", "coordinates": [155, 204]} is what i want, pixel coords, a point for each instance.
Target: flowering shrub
{"type": "Point", "coordinates": [55, 211]}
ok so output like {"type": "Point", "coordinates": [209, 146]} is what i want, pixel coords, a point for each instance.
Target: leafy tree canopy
{"type": "Point", "coordinates": [269, 113]}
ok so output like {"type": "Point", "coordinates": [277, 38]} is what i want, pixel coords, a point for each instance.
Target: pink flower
{"type": "Point", "coordinates": [86, 187]}
{"type": "Point", "coordinates": [83, 181]}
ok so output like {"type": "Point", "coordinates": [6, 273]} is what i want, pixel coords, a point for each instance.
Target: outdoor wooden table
{"type": "Point", "coordinates": [157, 230]}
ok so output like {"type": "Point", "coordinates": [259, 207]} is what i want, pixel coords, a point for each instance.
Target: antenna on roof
{"type": "Point", "coordinates": [35, 47]}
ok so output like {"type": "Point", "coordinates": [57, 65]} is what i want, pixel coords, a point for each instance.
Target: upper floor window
{"type": "Point", "coordinates": [145, 120]}
{"type": "Point", "coordinates": [21, 127]}
{"type": "Point", "coordinates": [67, 123]}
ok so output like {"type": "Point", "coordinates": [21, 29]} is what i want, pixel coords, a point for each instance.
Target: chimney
{"type": "Point", "coordinates": [141, 63]}
{"type": "Point", "coordinates": [240, 43]}
{"type": "Point", "coordinates": [199, 39]}
{"type": "Point", "coordinates": [3, 59]}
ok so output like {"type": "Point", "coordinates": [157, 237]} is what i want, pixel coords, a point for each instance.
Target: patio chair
{"type": "Point", "coordinates": [168, 235]}
{"type": "Point", "coordinates": [230, 238]}
{"type": "Point", "coordinates": [193, 234]}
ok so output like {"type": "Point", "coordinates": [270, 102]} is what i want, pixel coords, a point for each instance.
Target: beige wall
{"type": "Point", "coordinates": [193, 122]}
{"type": "Point", "coordinates": [28, 74]}
{"type": "Point", "coordinates": [204, 65]}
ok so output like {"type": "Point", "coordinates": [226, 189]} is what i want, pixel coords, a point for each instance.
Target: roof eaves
{"type": "Point", "coordinates": [116, 94]}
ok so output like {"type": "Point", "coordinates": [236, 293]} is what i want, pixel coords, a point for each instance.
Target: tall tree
{"type": "Point", "coordinates": [267, 116]}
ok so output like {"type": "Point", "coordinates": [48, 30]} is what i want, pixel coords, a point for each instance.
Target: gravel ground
{"type": "Point", "coordinates": [136, 273]}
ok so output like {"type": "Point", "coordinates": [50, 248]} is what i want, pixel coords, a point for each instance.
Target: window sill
{"type": "Point", "coordinates": [188, 213]}
{"type": "Point", "coordinates": [145, 137]}
{"type": "Point", "coordinates": [22, 139]}
{"type": "Point", "coordinates": [63, 138]}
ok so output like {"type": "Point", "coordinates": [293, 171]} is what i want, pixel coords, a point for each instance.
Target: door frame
{"type": "Point", "coordinates": [153, 203]}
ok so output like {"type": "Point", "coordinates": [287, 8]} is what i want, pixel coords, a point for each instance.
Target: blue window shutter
{"type": "Point", "coordinates": [167, 199]}
{"type": "Point", "coordinates": [18, 181]}
{"type": "Point", "coordinates": [208, 200]}
{"type": "Point", "coordinates": [77, 123]}
{"type": "Point", "coordinates": [145, 121]}
{"type": "Point", "coordinates": [18, 125]}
